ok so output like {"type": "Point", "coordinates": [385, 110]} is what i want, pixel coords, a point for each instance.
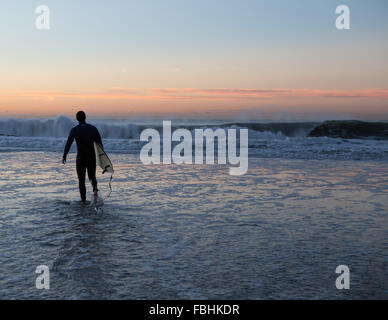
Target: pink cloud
{"type": "Point", "coordinates": [196, 94]}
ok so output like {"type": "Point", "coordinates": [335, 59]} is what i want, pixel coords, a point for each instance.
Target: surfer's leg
{"type": "Point", "coordinates": [92, 178]}
{"type": "Point", "coordinates": [81, 172]}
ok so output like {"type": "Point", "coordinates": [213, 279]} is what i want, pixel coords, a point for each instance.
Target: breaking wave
{"type": "Point", "coordinates": [59, 127]}
{"type": "Point", "coordinates": [297, 140]}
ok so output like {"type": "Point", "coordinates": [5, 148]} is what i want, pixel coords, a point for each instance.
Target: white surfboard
{"type": "Point", "coordinates": [102, 159]}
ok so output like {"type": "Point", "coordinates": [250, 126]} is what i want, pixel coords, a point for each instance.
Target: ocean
{"type": "Point", "coordinates": [306, 205]}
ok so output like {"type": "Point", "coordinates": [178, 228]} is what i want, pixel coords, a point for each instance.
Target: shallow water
{"type": "Point", "coordinates": [182, 232]}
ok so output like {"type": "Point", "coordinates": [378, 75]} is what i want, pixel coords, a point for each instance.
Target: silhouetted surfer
{"type": "Point", "coordinates": [85, 135]}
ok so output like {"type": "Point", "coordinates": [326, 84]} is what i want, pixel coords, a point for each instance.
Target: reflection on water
{"type": "Point", "coordinates": [194, 231]}
{"type": "Point", "coordinates": [83, 253]}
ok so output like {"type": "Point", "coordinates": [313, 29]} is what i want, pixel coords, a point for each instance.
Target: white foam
{"type": "Point", "coordinates": [123, 137]}
{"type": "Point", "coordinates": [60, 126]}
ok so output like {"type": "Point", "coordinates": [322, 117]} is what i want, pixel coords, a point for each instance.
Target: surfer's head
{"type": "Point", "coordinates": [81, 116]}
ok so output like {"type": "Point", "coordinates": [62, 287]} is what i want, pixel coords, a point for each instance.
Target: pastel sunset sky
{"type": "Point", "coordinates": [195, 57]}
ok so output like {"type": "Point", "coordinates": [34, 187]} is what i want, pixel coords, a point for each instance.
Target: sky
{"type": "Point", "coordinates": [232, 58]}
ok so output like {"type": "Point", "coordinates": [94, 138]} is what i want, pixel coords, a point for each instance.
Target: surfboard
{"type": "Point", "coordinates": [102, 159]}
{"type": "Point", "coordinates": [105, 164]}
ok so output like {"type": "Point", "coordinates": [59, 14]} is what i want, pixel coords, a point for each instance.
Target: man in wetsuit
{"type": "Point", "coordinates": [85, 135]}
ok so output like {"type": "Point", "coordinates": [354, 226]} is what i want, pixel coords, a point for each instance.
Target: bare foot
{"type": "Point", "coordinates": [95, 196]}
{"type": "Point", "coordinates": [83, 203]}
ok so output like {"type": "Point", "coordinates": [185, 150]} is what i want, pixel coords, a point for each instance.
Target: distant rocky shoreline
{"type": "Point", "coordinates": [351, 129]}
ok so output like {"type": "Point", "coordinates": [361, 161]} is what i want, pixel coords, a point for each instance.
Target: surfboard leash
{"type": "Point", "coordinates": [110, 187]}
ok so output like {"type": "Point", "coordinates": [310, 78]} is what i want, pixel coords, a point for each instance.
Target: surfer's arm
{"type": "Point", "coordinates": [69, 142]}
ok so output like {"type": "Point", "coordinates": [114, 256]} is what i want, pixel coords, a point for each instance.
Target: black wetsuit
{"type": "Point", "coordinates": [85, 135]}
